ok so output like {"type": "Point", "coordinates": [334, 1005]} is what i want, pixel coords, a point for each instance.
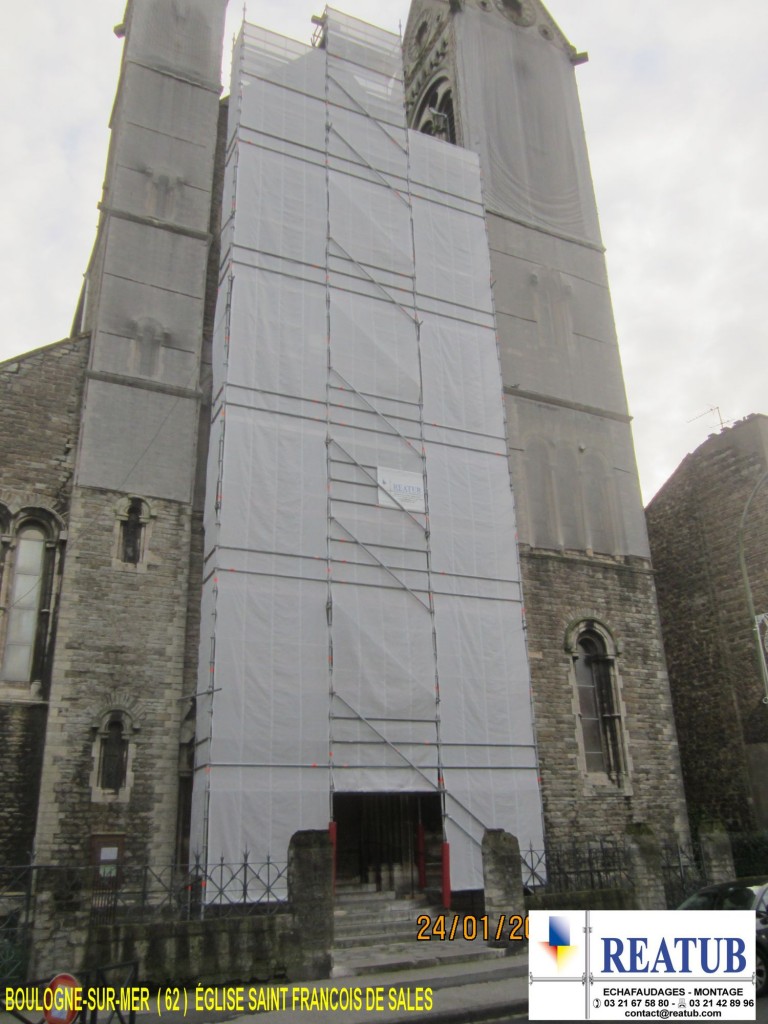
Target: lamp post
{"type": "Point", "coordinates": [754, 619]}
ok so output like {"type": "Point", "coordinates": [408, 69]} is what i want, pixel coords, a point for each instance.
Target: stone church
{"type": "Point", "coordinates": [327, 513]}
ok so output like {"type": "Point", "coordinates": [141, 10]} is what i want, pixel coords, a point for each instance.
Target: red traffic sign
{"type": "Point", "coordinates": [63, 999]}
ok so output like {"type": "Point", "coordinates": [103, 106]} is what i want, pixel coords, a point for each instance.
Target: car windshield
{"type": "Point", "coordinates": [742, 897]}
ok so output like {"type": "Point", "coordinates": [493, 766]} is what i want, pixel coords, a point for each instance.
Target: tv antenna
{"type": "Point", "coordinates": [712, 409]}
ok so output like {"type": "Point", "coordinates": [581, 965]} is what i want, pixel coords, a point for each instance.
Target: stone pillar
{"type": "Point", "coordinates": [503, 879]}
{"type": "Point", "coordinates": [310, 892]}
{"type": "Point", "coordinates": [646, 871]}
{"type": "Point", "coordinates": [61, 924]}
{"type": "Point", "coordinates": [716, 854]}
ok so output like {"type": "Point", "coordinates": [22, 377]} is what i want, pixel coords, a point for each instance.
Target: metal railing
{"type": "Point", "coordinates": [121, 893]}
{"type": "Point", "coordinates": [577, 867]}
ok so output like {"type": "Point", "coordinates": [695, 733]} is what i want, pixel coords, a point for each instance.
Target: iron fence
{"type": "Point", "coordinates": [595, 865]}
{"type": "Point", "coordinates": [683, 871]}
{"type": "Point", "coordinates": [222, 889]}
{"type": "Point", "coordinates": [16, 917]}
{"type": "Point", "coordinates": [577, 867]}
{"type": "Point", "coordinates": [118, 893]}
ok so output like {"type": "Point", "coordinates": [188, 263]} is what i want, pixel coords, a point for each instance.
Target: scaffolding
{"type": "Point", "coordinates": [362, 617]}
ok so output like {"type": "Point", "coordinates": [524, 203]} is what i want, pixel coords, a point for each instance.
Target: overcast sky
{"type": "Point", "coordinates": [674, 101]}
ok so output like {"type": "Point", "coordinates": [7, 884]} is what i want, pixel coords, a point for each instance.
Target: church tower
{"type": "Point", "coordinates": [123, 673]}
{"type": "Point", "coordinates": [498, 77]}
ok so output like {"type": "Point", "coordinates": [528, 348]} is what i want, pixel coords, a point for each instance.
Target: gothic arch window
{"type": "Point", "coordinates": [26, 594]}
{"type": "Point", "coordinates": [435, 114]}
{"type": "Point", "coordinates": [599, 707]}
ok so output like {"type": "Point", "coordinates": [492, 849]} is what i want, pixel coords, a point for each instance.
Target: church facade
{"type": "Point", "coordinates": [335, 519]}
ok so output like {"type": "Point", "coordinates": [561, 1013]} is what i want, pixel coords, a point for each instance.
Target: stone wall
{"type": "Point", "coordinates": [121, 644]}
{"type": "Point", "coordinates": [40, 399]}
{"type": "Point", "coordinates": [22, 727]}
{"type": "Point", "coordinates": [693, 524]}
{"type": "Point", "coordinates": [41, 395]}
{"type": "Point", "coordinates": [230, 944]}
{"type": "Point", "coordinates": [209, 952]}
{"type": "Point", "coordinates": [561, 590]}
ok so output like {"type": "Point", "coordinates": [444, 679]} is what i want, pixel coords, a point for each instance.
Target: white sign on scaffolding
{"type": "Point", "coordinates": [400, 489]}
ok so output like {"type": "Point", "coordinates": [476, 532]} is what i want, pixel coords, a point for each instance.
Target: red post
{"type": "Point", "coordinates": [421, 855]}
{"type": "Point", "coordinates": [446, 876]}
{"type": "Point", "coordinates": [332, 834]}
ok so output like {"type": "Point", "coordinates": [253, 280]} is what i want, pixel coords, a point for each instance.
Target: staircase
{"type": "Point", "coordinates": [376, 932]}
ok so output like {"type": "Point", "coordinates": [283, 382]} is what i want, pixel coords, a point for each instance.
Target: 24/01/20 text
{"type": "Point", "coordinates": [510, 928]}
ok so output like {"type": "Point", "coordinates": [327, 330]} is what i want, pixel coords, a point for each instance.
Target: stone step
{"type": "Point", "coordinates": [378, 937]}
{"type": "Point", "coordinates": [364, 898]}
{"type": "Point", "coordinates": [397, 956]}
{"type": "Point", "coordinates": [381, 928]}
{"type": "Point", "coordinates": [387, 911]}
{"type": "Point", "coordinates": [366, 919]}
{"type": "Point", "coordinates": [354, 888]}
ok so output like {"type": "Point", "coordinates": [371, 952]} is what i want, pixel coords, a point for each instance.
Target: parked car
{"type": "Point", "coordinates": [740, 894]}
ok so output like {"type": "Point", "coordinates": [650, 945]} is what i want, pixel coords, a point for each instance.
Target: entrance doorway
{"type": "Point", "coordinates": [390, 840]}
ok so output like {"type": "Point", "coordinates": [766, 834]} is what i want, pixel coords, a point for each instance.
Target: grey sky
{"type": "Point", "coordinates": [674, 107]}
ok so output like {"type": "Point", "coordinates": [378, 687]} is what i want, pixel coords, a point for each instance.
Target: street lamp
{"type": "Point", "coordinates": [756, 620]}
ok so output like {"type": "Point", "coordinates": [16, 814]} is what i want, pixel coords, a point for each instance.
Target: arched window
{"type": "Point", "coordinates": [132, 534]}
{"type": "Point", "coordinates": [599, 709]}
{"type": "Point", "coordinates": [27, 591]}
{"type": "Point", "coordinates": [113, 755]}
{"type": "Point", "coordinates": [435, 115]}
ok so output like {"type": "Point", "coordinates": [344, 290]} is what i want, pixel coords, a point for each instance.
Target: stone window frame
{"type": "Point", "coordinates": [617, 768]}
{"type": "Point", "coordinates": [12, 527]}
{"type": "Point", "coordinates": [101, 737]}
{"type": "Point", "coordinates": [437, 99]}
{"type": "Point", "coordinates": [123, 509]}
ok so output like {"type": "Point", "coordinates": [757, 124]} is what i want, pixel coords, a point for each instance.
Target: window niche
{"type": "Point", "coordinates": [594, 653]}
{"type": "Point", "coordinates": [133, 522]}
{"type": "Point", "coordinates": [28, 552]}
{"type": "Point", "coordinates": [113, 752]}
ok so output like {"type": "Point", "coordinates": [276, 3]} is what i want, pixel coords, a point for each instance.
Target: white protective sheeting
{"type": "Point", "coordinates": [532, 146]}
{"type": "Point", "coordinates": [354, 641]}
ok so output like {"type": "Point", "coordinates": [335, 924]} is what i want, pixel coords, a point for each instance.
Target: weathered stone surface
{"type": "Point", "coordinates": [693, 524]}
{"type": "Point", "coordinates": [40, 399]}
{"type": "Point", "coordinates": [561, 589]}
{"type": "Point", "coordinates": [502, 879]}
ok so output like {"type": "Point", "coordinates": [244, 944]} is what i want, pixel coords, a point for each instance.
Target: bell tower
{"type": "Point", "coordinates": [498, 77]}
{"type": "Point", "coordinates": [123, 671]}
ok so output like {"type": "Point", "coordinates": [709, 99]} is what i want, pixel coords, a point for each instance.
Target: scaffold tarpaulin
{"type": "Point", "coordinates": [362, 616]}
